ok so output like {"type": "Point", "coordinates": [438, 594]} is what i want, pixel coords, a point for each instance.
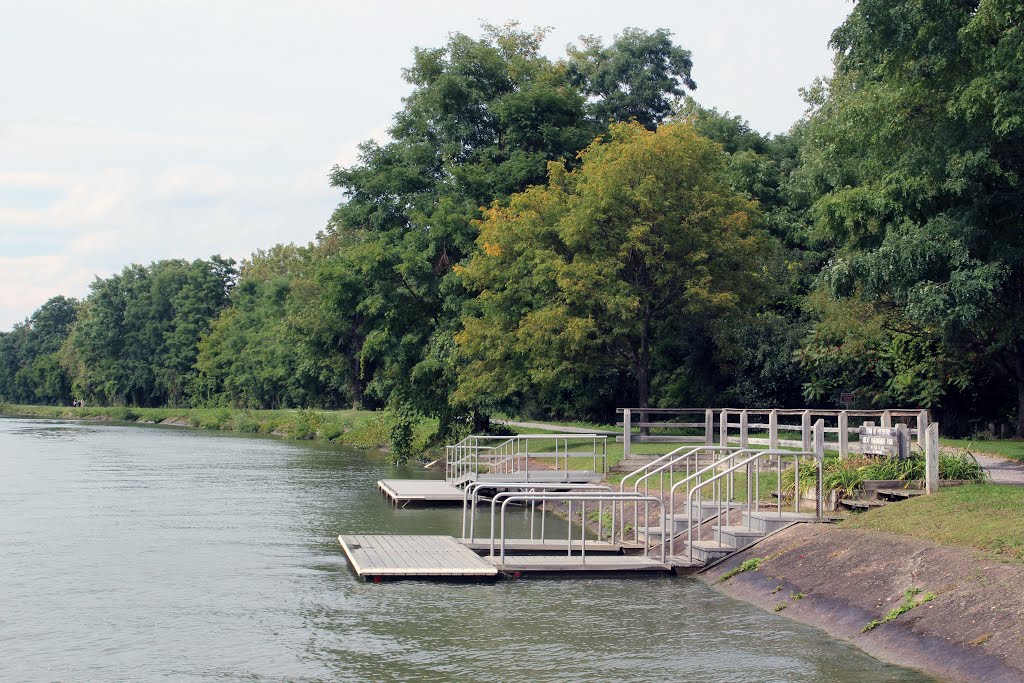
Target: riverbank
{"type": "Point", "coordinates": [935, 583]}
{"type": "Point", "coordinates": [355, 428]}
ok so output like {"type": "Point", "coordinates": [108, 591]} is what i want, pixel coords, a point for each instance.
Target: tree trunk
{"type": "Point", "coordinates": [642, 370]}
{"type": "Point", "coordinates": [481, 421]}
{"type": "Point", "coordinates": [1019, 363]}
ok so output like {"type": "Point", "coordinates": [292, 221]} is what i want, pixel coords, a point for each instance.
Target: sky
{"type": "Point", "coordinates": [140, 130]}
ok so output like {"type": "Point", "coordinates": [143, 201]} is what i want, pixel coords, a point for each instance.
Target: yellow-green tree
{"type": "Point", "coordinates": [606, 267]}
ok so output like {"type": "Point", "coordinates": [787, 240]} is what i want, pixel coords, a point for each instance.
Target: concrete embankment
{"type": "Point", "coordinates": [843, 580]}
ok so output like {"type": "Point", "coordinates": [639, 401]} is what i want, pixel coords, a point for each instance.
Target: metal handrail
{"type": "Point", "coordinates": [753, 489]}
{"type": "Point", "coordinates": [646, 471]}
{"type": "Point", "coordinates": [471, 494]}
{"type": "Point", "coordinates": [512, 453]}
{"type": "Point", "coordinates": [600, 497]}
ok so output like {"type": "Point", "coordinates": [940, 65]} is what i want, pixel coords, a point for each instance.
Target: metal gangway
{"type": "Point", "coordinates": [576, 556]}
{"type": "Point", "coordinates": [527, 457]}
{"type": "Point", "coordinates": [679, 462]}
{"type": "Point", "coordinates": [719, 481]}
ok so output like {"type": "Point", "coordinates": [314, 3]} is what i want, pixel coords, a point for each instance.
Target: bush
{"type": "Point", "coordinates": [960, 466]}
{"type": "Point", "coordinates": [244, 422]}
{"type": "Point", "coordinates": [305, 425]}
{"type": "Point", "coordinates": [401, 427]}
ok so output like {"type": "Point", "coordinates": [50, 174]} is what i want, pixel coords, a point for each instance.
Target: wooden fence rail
{"type": "Point", "coordinates": [773, 428]}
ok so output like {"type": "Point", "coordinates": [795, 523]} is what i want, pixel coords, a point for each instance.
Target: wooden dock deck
{"type": "Point", "coordinates": [377, 558]}
{"type": "Point", "coordinates": [443, 558]}
{"type": "Point", "coordinates": [422, 491]}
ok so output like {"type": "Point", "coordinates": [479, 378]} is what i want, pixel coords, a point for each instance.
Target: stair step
{"type": "Point", "coordinates": [865, 504]}
{"type": "Point", "coordinates": [738, 531]}
{"type": "Point", "coordinates": [713, 546]}
{"type": "Point", "coordinates": [900, 493]}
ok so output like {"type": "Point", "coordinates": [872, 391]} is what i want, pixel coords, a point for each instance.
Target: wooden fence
{"type": "Point", "coordinates": [769, 427]}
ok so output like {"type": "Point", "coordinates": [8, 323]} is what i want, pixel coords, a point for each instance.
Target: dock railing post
{"type": "Point", "coordinates": [627, 432]}
{"type": "Point", "coordinates": [844, 434]}
{"type": "Point", "coordinates": [709, 427]}
{"type": "Point", "coordinates": [819, 456]}
{"type": "Point", "coordinates": [744, 428]}
{"type": "Point", "coordinates": [773, 430]}
{"type": "Point", "coordinates": [806, 438]}
{"type": "Point", "coordinates": [931, 458]}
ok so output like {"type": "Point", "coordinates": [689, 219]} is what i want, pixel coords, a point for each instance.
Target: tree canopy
{"type": "Point", "coordinates": [560, 236]}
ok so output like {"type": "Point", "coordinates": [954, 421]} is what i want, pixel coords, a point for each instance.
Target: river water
{"type": "Point", "coordinates": [143, 553]}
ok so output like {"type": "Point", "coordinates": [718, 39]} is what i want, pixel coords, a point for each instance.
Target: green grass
{"type": "Point", "coordinates": [1008, 448]}
{"type": "Point", "coordinates": [984, 517]}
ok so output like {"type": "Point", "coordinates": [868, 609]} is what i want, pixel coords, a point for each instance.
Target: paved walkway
{"type": "Point", "coordinates": [1002, 470]}
{"type": "Point", "coordinates": [555, 428]}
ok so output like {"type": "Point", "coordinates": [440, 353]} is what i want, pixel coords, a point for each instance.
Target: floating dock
{"type": "Point", "coordinates": [379, 558]}
{"type": "Point", "coordinates": [402, 492]}
{"type": "Point", "coordinates": [443, 558]}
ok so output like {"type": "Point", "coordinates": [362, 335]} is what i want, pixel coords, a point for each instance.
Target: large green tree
{"type": "Point", "coordinates": [607, 267]}
{"type": "Point", "coordinates": [915, 149]}
{"type": "Point", "coordinates": [30, 369]}
{"type": "Point", "coordinates": [137, 338]}
{"type": "Point", "coordinates": [484, 118]}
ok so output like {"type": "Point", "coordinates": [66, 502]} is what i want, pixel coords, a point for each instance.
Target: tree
{"type": "Point", "coordinates": [30, 370]}
{"type": "Point", "coordinates": [639, 76]}
{"type": "Point", "coordinates": [137, 338]}
{"type": "Point", "coordinates": [484, 118]}
{"type": "Point", "coordinates": [914, 149]}
{"type": "Point", "coordinates": [606, 265]}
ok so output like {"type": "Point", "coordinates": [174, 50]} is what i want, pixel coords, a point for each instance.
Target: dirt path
{"type": "Point", "coordinates": [1002, 470]}
{"type": "Point", "coordinates": [554, 428]}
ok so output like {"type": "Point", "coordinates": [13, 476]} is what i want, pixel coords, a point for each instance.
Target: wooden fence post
{"type": "Point", "coordinates": [744, 429]}
{"type": "Point", "coordinates": [627, 432]}
{"type": "Point", "coordinates": [844, 434]}
{"type": "Point", "coordinates": [723, 429]}
{"type": "Point", "coordinates": [931, 458]}
{"type": "Point", "coordinates": [922, 427]}
{"type": "Point", "coordinates": [886, 419]}
{"type": "Point", "coordinates": [773, 430]}
{"type": "Point", "coordinates": [903, 439]}
{"type": "Point", "coordinates": [805, 431]}
{"type": "Point", "coordinates": [709, 427]}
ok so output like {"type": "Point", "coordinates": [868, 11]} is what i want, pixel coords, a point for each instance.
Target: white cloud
{"type": "Point", "coordinates": [133, 132]}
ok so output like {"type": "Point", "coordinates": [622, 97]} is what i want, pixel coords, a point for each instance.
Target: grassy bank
{"type": "Point", "coordinates": [356, 428]}
{"type": "Point", "coordinates": [980, 516]}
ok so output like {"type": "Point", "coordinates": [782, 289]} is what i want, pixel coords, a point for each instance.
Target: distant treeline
{"type": "Point", "coordinates": [555, 238]}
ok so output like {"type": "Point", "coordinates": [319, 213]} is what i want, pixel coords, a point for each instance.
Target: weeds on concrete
{"type": "Point", "coordinates": [750, 565]}
{"type": "Point", "coordinates": [910, 601]}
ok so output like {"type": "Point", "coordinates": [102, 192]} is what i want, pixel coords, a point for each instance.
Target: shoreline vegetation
{"type": "Point", "coordinates": [353, 428]}
{"type": "Point", "coordinates": [372, 428]}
